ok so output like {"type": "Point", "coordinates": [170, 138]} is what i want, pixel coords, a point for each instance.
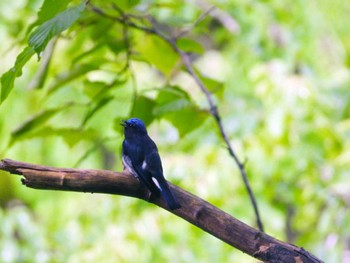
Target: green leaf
{"type": "Point", "coordinates": [190, 45]}
{"type": "Point", "coordinates": [171, 99]}
{"type": "Point", "coordinates": [71, 136]}
{"type": "Point", "coordinates": [42, 35]}
{"type": "Point", "coordinates": [99, 105]}
{"type": "Point", "coordinates": [93, 89]}
{"type": "Point", "coordinates": [175, 105]}
{"type": "Point", "coordinates": [187, 120]}
{"type": "Point", "coordinates": [143, 109]}
{"type": "Point", "coordinates": [8, 78]}
{"type": "Point", "coordinates": [158, 53]}
{"type": "Point", "coordinates": [214, 86]}
{"type": "Point", "coordinates": [49, 9]}
{"type": "Point", "coordinates": [32, 124]}
{"type": "Point", "coordinates": [69, 75]}
{"type": "Point", "coordinates": [40, 77]}
{"type": "Point", "coordinates": [93, 149]}
{"type": "Point", "coordinates": [127, 4]}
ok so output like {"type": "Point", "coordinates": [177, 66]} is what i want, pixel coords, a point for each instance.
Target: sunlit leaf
{"type": "Point", "coordinates": [190, 45]}
{"type": "Point", "coordinates": [97, 89]}
{"type": "Point", "coordinates": [69, 75]}
{"type": "Point", "coordinates": [50, 8]}
{"type": "Point", "coordinates": [171, 99]}
{"type": "Point", "coordinates": [92, 111]}
{"type": "Point", "coordinates": [32, 124]}
{"type": "Point", "coordinates": [187, 120]}
{"type": "Point", "coordinates": [158, 53]}
{"type": "Point", "coordinates": [71, 136]}
{"type": "Point", "coordinates": [92, 89]}
{"type": "Point", "coordinates": [143, 109]}
{"type": "Point", "coordinates": [8, 78]}
{"type": "Point", "coordinates": [42, 35]}
{"type": "Point", "coordinates": [127, 4]}
{"type": "Point", "coordinates": [39, 79]}
{"type": "Point", "coordinates": [214, 86]}
{"type": "Point", "coordinates": [94, 148]}
{"type": "Point", "coordinates": [175, 105]}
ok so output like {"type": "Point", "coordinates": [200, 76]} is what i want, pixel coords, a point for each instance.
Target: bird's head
{"type": "Point", "coordinates": [134, 126]}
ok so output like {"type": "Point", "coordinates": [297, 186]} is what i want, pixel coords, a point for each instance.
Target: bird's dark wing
{"type": "Point", "coordinates": [152, 166]}
{"type": "Point", "coordinates": [143, 160]}
{"type": "Point", "coordinates": [133, 158]}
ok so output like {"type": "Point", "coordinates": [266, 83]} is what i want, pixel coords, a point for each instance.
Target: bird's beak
{"type": "Point", "coordinates": [123, 123]}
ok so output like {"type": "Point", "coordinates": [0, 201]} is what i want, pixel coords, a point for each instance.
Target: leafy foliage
{"type": "Point", "coordinates": [278, 71]}
{"type": "Point", "coordinates": [8, 78]}
{"type": "Point", "coordinates": [50, 28]}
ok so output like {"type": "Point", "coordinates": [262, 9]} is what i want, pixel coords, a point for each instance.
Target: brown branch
{"type": "Point", "coordinates": [213, 108]}
{"type": "Point", "coordinates": [193, 209]}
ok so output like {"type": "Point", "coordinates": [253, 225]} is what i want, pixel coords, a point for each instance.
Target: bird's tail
{"type": "Point", "coordinates": [168, 196]}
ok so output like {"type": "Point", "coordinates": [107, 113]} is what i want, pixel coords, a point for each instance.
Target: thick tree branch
{"type": "Point", "coordinates": [194, 210]}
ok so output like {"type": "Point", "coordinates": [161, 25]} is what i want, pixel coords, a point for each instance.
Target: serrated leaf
{"type": "Point", "coordinates": [50, 8]}
{"type": "Point", "coordinates": [42, 35]}
{"type": "Point", "coordinates": [8, 78]}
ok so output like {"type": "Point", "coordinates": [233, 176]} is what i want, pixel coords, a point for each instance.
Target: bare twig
{"type": "Point", "coordinates": [193, 209]}
{"type": "Point", "coordinates": [213, 108]}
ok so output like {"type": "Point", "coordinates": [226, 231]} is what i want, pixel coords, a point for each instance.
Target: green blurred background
{"type": "Point", "coordinates": [279, 72]}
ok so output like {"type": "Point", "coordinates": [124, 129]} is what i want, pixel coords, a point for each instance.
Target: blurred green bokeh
{"type": "Point", "coordinates": [279, 72]}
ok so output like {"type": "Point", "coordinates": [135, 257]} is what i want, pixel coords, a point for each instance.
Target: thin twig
{"type": "Point", "coordinates": [215, 113]}
{"type": "Point", "coordinates": [213, 108]}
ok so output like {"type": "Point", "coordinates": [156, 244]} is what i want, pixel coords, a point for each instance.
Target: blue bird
{"type": "Point", "coordinates": [141, 158]}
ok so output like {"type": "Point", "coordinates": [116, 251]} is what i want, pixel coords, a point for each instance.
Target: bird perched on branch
{"type": "Point", "coordinates": [141, 158]}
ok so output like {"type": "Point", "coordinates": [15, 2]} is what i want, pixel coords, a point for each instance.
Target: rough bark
{"type": "Point", "coordinates": [195, 210]}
